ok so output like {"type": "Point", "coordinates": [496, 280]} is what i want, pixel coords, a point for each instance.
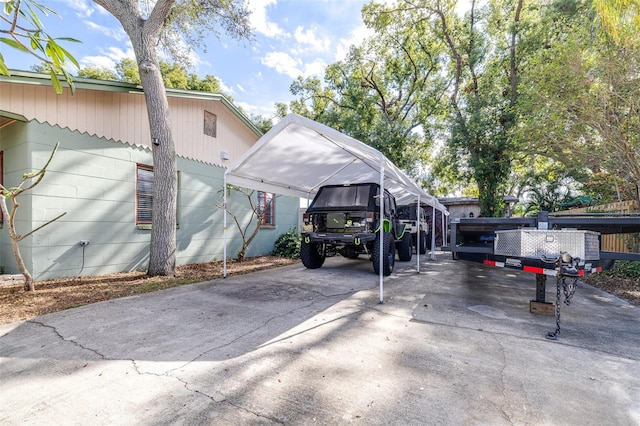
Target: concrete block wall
{"type": "Point", "coordinates": [93, 180]}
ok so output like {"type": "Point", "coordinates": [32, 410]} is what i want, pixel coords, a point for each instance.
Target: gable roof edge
{"type": "Point", "coordinates": [41, 79]}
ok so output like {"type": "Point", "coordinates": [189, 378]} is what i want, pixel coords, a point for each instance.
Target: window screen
{"type": "Point", "coordinates": [210, 124]}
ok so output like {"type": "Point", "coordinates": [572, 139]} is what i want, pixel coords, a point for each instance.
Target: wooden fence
{"type": "Point", "coordinates": [613, 242]}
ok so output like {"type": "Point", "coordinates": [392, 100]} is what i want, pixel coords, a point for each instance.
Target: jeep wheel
{"type": "Point", "coordinates": [405, 247]}
{"type": "Point", "coordinates": [312, 254]}
{"type": "Point", "coordinates": [389, 254]}
{"type": "Point", "coordinates": [423, 242]}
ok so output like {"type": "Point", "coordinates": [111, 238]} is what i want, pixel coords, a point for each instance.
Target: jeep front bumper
{"type": "Point", "coordinates": [338, 238]}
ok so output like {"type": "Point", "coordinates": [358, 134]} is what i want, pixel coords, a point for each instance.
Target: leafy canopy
{"type": "Point", "coordinates": [22, 29]}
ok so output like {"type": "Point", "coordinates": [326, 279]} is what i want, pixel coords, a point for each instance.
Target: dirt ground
{"type": "Point", "coordinates": [623, 288]}
{"type": "Point", "coordinates": [56, 295]}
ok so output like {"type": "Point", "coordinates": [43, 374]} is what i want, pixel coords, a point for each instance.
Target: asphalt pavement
{"type": "Point", "coordinates": [453, 345]}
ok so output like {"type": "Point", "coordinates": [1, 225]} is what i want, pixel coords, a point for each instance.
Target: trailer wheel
{"type": "Point", "coordinates": [388, 255]}
{"type": "Point", "coordinates": [312, 254]}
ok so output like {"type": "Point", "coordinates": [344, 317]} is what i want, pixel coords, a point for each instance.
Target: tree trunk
{"type": "Point", "coordinates": [162, 259]}
{"type": "Point", "coordinates": [144, 35]}
{"type": "Point", "coordinates": [144, 28]}
{"type": "Point", "coordinates": [28, 279]}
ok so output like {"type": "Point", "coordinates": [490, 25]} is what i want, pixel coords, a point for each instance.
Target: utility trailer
{"type": "Point", "coordinates": [557, 245]}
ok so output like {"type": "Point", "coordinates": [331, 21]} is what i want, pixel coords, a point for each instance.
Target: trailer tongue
{"type": "Point", "coordinates": [563, 246]}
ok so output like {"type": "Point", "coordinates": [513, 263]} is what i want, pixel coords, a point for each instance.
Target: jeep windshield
{"type": "Point", "coordinates": [342, 196]}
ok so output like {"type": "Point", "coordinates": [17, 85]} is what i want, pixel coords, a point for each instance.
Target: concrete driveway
{"type": "Point", "coordinates": [455, 345]}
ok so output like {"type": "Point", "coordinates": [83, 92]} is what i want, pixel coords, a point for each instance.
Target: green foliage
{"type": "Point", "coordinates": [261, 122]}
{"type": "Point", "coordinates": [625, 269]}
{"type": "Point", "coordinates": [385, 91]}
{"type": "Point", "coordinates": [188, 23]}
{"type": "Point", "coordinates": [97, 73]}
{"type": "Point", "coordinates": [579, 103]}
{"type": "Point", "coordinates": [174, 76]}
{"type": "Point", "coordinates": [22, 29]}
{"type": "Point", "coordinates": [507, 82]}
{"type": "Point", "coordinates": [547, 185]}
{"type": "Point", "coordinates": [288, 245]}
{"type": "Point", "coordinates": [127, 71]}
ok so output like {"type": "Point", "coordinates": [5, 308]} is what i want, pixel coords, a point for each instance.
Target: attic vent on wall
{"type": "Point", "coordinates": [210, 124]}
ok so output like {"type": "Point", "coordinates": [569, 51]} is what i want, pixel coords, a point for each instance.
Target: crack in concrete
{"type": "Point", "coordinates": [505, 399]}
{"type": "Point", "coordinates": [57, 333]}
{"type": "Point", "coordinates": [253, 412]}
{"type": "Point", "coordinates": [261, 326]}
{"type": "Point", "coordinates": [169, 373]}
{"type": "Point", "coordinates": [223, 401]}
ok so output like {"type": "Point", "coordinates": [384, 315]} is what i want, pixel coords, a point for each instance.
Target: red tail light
{"type": "Point", "coordinates": [306, 217]}
{"type": "Point", "coordinates": [371, 216]}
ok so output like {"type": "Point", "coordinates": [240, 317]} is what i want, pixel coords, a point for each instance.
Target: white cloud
{"type": "Point", "coordinates": [253, 109]}
{"type": "Point", "coordinates": [108, 58]}
{"type": "Point", "coordinates": [83, 8]}
{"type": "Point", "coordinates": [310, 41]}
{"type": "Point", "coordinates": [239, 86]}
{"type": "Point", "coordinates": [97, 61]}
{"type": "Point", "coordinates": [115, 33]}
{"type": "Point", "coordinates": [226, 88]}
{"type": "Point", "coordinates": [315, 68]}
{"type": "Point", "coordinates": [283, 63]}
{"type": "Point", "coordinates": [260, 21]}
{"type": "Point", "coordinates": [356, 37]}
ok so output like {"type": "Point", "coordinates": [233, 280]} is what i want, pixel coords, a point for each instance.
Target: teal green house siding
{"type": "Point", "coordinates": [93, 181]}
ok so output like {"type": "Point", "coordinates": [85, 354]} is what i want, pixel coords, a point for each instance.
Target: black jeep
{"type": "Point", "coordinates": [345, 219]}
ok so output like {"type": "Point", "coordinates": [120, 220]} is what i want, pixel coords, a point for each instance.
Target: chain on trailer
{"type": "Point", "coordinates": [567, 279]}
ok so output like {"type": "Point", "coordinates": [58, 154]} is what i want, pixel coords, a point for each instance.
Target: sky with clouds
{"type": "Point", "coordinates": [292, 38]}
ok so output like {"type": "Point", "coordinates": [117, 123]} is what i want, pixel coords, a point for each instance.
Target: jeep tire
{"type": "Point", "coordinates": [405, 247]}
{"type": "Point", "coordinates": [312, 254]}
{"type": "Point", "coordinates": [423, 242]}
{"type": "Point", "coordinates": [388, 255]}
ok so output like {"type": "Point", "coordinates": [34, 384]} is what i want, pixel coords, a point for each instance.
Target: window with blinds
{"type": "Point", "coordinates": [144, 194]}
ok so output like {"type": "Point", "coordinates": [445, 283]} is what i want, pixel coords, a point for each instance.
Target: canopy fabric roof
{"type": "Point", "coordinates": [298, 156]}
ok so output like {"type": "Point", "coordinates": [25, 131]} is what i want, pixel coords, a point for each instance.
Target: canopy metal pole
{"type": "Point", "coordinates": [444, 230]}
{"type": "Point", "coordinates": [419, 222]}
{"type": "Point", "coordinates": [224, 224]}
{"type": "Point", "coordinates": [381, 226]}
{"type": "Point", "coordinates": [433, 235]}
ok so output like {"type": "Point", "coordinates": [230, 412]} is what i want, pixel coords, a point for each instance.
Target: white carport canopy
{"type": "Point", "coordinates": [298, 156]}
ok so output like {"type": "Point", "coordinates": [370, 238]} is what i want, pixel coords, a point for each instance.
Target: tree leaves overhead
{"type": "Point", "coordinates": [189, 22]}
{"type": "Point", "coordinates": [174, 76]}
{"type": "Point", "coordinates": [384, 92]}
{"type": "Point", "coordinates": [22, 29]}
{"type": "Point", "coordinates": [467, 94]}
{"type": "Point", "coordinates": [580, 102]}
